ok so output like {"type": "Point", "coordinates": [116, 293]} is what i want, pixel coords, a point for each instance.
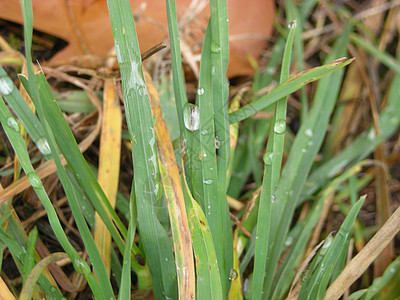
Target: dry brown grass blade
{"type": "Point", "coordinates": [357, 266]}
{"type": "Point", "coordinates": [5, 293]}
{"type": "Point", "coordinates": [174, 194]}
{"type": "Point", "coordinates": [109, 164]}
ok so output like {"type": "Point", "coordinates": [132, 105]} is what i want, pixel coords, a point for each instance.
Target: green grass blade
{"type": "Point", "coordinates": [214, 204]}
{"type": "Point", "coordinates": [8, 122]}
{"type": "Point", "coordinates": [286, 272]}
{"type": "Point", "coordinates": [317, 283]}
{"type": "Point", "coordinates": [20, 107]}
{"type": "Point", "coordinates": [219, 64]}
{"type": "Point", "coordinates": [305, 147]}
{"type": "Point", "coordinates": [188, 140]}
{"type": "Point", "coordinates": [273, 161]}
{"type": "Point", "coordinates": [48, 110]}
{"type": "Point", "coordinates": [125, 288]}
{"type": "Point", "coordinates": [363, 145]}
{"type": "Point", "coordinates": [293, 13]}
{"type": "Point", "coordinates": [291, 85]}
{"type": "Point", "coordinates": [147, 180]}
{"type": "Point", "coordinates": [74, 199]}
{"type": "Point", "coordinates": [374, 51]}
{"type": "Point", "coordinates": [176, 63]}
{"type": "Point", "coordinates": [376, 289]}
{"type": "Point", "coordinates": [29, 257]}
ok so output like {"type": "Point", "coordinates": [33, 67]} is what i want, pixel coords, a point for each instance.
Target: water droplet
{"type": "Point", "coordinates": [268, 157]}
{"type": "Point", "coordinates": [273, 198]}
{"type": "Point", "coordinates": [227, 20]}
{"type": "Point", "coordinates": [289, 241]}
{"type": "Point", "coordinates": [328, 242]}
{"type": "Point", "coordinates": [183, 145]}
{"type": "Point", "coordinates": [191, 117]}
{"type": "Point", "coordinates": [215, 48]}
{"type": "Point", "coordinates": [280, 126]}
{"type": "Point", "coordinates": [35, 181]}
{"type": "Point", "coordinates": [217, 143]}
{"type": "Point", "coordinates": [209, 206]}
{"type": "Point", "coordinates": [292, 25]}
{"type": "Point", "coordinates": [233, 274]}
{"type": "Point", "coordinates": [200, 91]}
{"type": "Point", "coordinates": [6, 85]}
{"type": "Point", "coordinates": [43, 146]}
{"type": "Point", "coordinates": [13, 124]}
{"type": "Point", "coordinates": [204, 132]}
{"type": "Point", "coordinates": [310, 143]}
{"type": "Point", "coordinates": [133, 139]}
{"type": "Point", "coordinates": [371, 134]}
{"type": "Point", "coordinates": [81, 267]}
{"type": "Point", "coordinates": [212, 70]}
{"type": "Point", "coordinates": [303, 150]}
{"type": "Point", "coordinates": [271, 70]}
{"type": "Point", "coordinates": [207, 181]}
{"type": "Point", "coordinates": [166, 259]}
{"type": "Point", "coordinates": [257, 237]}
{"type": "Point", "coordinates": [308, 133]}
{"type": "Point", "coordinates": [204, 154]}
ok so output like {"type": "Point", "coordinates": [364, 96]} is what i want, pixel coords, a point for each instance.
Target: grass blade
{"type": "Point", "coordinates": [27, 290]}
{"type": "Point", "coordinates": [208, 282]}
{"type": "Point", "coordinates": [147, 180]}
{"type": "Point", "coordinates": [219, 63]}
{"type": "Point", "coordinates": [291, 85]}
{"type": "Point", "coordinates": [305, 147]}
{"type": "Point", "coordinates": [109, 164]}
{"type": "Point", "coordinates": [316, 284]}
{"type": "Point", "coordinates": [176, 203]}
{"type": "Point", "coordinates": [273, 161]}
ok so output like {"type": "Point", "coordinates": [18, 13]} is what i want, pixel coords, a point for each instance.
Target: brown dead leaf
{"type": "Point", "coordinates": [85, 25]}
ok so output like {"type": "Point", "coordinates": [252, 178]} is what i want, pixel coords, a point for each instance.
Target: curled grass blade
{"type": "Point", "coordinates": [30, 283]}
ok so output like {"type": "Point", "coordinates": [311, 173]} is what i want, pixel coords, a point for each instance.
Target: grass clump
{"type": "Point", "coordinates": [228, 210]}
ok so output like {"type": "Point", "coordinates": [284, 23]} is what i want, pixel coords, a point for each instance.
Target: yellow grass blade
{"type": "Point", "coordinates": [109, 164]}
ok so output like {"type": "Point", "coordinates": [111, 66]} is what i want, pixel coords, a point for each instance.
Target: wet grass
{"type": "Point", "coordinates": [240, 205]}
